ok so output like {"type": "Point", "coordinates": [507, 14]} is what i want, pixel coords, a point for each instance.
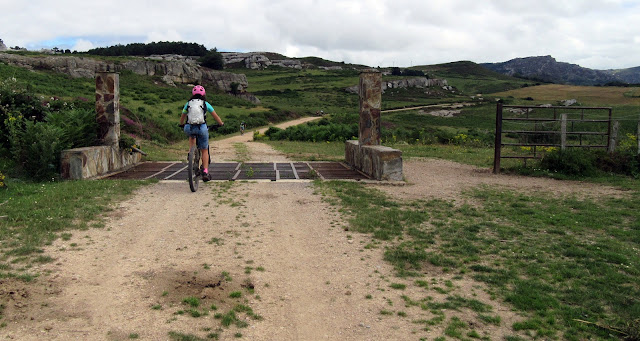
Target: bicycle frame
{"type": "Point", "coordinates": [194, 169]}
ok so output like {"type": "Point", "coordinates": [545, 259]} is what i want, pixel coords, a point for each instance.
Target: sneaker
{"type": "Point", "coordinates": [206, 177]}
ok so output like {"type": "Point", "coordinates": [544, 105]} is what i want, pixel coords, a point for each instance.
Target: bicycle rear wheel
{"type": "Point", "coordinates": [194, 168]}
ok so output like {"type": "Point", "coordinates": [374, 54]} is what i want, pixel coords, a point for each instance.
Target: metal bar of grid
{"type": "Point", "coordinates": [162, 170]}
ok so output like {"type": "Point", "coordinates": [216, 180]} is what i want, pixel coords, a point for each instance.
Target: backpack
{"type": "Point", "coordinates": [196, 112]}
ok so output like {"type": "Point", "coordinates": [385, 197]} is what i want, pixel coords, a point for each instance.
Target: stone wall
{"type": "Point", "coordinates": [93, 162]}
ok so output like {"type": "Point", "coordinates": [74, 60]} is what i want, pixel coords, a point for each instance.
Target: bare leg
{"type": "Point", "coordinates": [205, 157]}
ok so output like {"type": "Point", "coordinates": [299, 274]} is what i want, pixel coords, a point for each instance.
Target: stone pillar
{"type": "Point", "coordinates": [108, 107]}
{"type": "Point", "coordinates": [370, 106]}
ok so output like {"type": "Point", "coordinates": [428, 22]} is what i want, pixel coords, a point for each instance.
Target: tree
{"type": "Point", "coordinates": [213, 60]}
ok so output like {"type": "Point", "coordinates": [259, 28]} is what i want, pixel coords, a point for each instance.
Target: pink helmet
{"type": "Point", "coordinates": [198, 90]}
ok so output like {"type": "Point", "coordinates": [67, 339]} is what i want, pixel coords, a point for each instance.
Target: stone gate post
{"type": "Point", "coordinates": [108, 107]}
{"type": "Point", "coordinates": [370, 91]}
{"type": "Point", "coordinates": [366, 154]}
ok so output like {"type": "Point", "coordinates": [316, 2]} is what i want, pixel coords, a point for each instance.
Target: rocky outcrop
{"type": "Point", "coordinates": [3, 47]}
{"type": "Point", "coordinates": [258, 60]}
{"type": "Point", "coordinates": [172, 69]}
{"type": "Point", "coordinates": [418, 82]}
{"type": "Point", "coordinates": [547, 69]}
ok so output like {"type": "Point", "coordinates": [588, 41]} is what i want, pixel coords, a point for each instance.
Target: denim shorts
{"type": "Point", "coordinates": [201, 133]}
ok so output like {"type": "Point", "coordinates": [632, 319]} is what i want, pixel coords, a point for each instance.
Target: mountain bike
{"type": "Point", "coordinates": [194, 169]}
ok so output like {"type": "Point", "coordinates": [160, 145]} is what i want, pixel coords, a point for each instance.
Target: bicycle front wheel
{"type": "Point", "coordinates": [194, 168]}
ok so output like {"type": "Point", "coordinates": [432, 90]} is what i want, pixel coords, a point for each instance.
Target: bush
{"type": "Point", "coordinates": [2, 184]}
{"type": "Point", "coordinates": [572, 162]}
{"type": "Point", "coordinates": [16, 101]}
{"type": "Point", "coordinates": [314, 132]}
{"type": "Point", "coordinates": [36, 146]}
{"type": "Point", "coordinates": [213, 60]}
{"type": "Point", "coordinates": [272, 131]}
{"type": "Point", "coordinates": [624, 162]}
{"type": "Point", "coordinates": [79, 127]}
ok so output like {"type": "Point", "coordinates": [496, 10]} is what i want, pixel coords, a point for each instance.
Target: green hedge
{"type": "Point", "coordinates": [583, 162]}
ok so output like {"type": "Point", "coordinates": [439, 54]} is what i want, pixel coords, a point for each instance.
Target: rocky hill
{"type": "Point", "coordinates": [630, 75]}
{"type": "Point", "coordinates": [263, 60]}
{"type": "Point", "coordinates": [547, 69]}
{"type": "Point", "coordinates": [172, 68]}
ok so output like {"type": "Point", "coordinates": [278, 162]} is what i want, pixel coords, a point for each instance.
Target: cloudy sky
{"type": "Point", "coordinates": [599, 34]}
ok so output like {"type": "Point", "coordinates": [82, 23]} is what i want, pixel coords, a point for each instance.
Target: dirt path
{"type": "Point", "coordinates": [225, 150]}
{"type": "Point", "coordinates": [283, 250]}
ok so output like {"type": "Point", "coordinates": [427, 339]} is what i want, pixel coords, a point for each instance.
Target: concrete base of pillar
{"type": "Point", "coordinates": [378, 162]}
{"type": "Point", "coordinates": [93, 162]}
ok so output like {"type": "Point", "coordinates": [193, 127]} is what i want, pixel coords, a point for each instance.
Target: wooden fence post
{"type": "Point", "coordinates": [638, 136]}
{"type": "Point", "coordinates": [614, 136]}
{"type": "Point", "coordinates": [563, 131]}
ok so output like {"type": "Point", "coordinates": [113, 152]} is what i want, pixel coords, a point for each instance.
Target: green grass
{"type": "Point", "coordinates": [192, 301]}
{"type": "Point", "coordinates": [242, 152]}
{"type": "Point", "coordinates": [398, 286]}
{"type": "Point", "coordinates": [39, 213]}
{"type": "Point", "coordinates": [308, 91]}
{"type": "Point", "coordinates": [555, 259]}
{"type": "Point", "coordinates": [479, 116]}
{"type": "Point", "coordinates": [310, 151]}
{"type": "Point", "coordinates": [177, 336]}
{"type": "Point", "coordinates": [50, 83]}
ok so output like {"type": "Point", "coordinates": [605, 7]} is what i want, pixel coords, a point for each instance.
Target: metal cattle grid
{"type": "Point", "coordinates": [232, 171]}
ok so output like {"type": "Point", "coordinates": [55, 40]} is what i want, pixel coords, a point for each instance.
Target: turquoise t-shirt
{"type": "Point", "coordinates": [209, 107]}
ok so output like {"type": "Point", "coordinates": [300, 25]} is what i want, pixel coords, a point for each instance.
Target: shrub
{"type": "Point", "coordinates": [16, 101]}
{"type": "Point", "coordinates": [213, 60]}
{"type": "Point", "coordinates": [572, 162]}
{"type": "Point", "coordinates": [79, 127]}
{"type": "Point", "coordinates": [272, 131]}
{"type": "Point", "coordinates": [624, 162]}
{"type": "Point", "coordinates": [36, 146]}
{"type": "Point", "coordinates": [2, 184]}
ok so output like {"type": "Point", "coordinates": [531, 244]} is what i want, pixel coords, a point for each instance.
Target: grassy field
{"type": "Point", "coordinates": [586, 95]}
{"type": "Point", "coordinates": [569, 265]}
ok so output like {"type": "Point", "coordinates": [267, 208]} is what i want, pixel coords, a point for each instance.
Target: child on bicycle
{"type": "Point", "coordinates": [195, 114]}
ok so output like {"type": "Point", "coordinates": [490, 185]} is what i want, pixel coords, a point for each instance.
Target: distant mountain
{"type": "Point", "coordinates": [547, 69]}
{"type": "Point", "coordinates": [630, 75]}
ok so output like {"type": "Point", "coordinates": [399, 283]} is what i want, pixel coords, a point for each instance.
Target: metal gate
{"type": "Point", "coordinates": [530, 131]}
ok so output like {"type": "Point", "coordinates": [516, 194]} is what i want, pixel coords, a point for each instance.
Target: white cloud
{"type": "Point", "coordinates": [598, 33]}
{"type": "Point", "coordinates": [82, 45]}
